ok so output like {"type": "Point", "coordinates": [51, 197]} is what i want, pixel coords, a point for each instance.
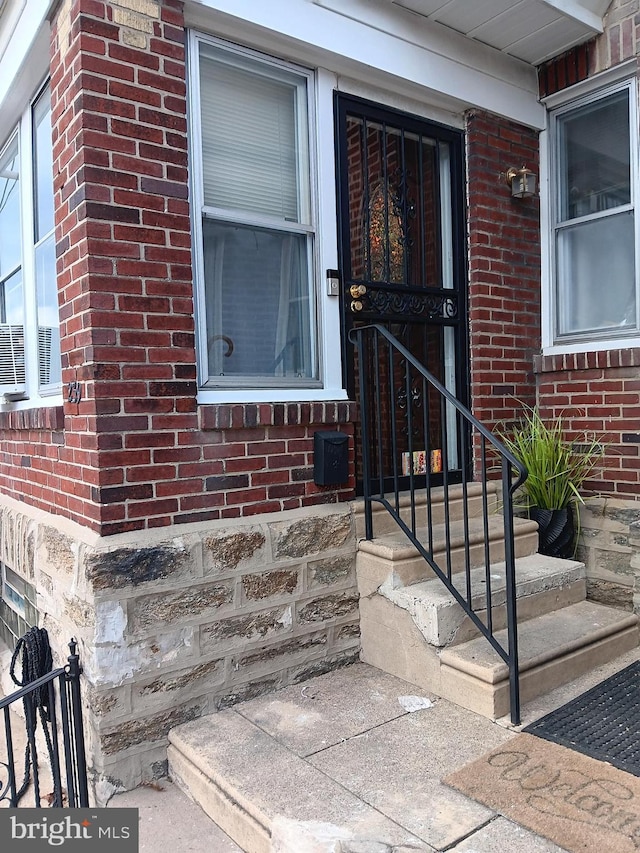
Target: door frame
{"type": "Point", "coordinates": [344, 105]}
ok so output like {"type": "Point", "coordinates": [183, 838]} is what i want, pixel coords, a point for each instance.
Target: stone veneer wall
{"type": "Point", "coordinates": [173, 624]}
{"type": "Point", "coordinates": [610, 549]}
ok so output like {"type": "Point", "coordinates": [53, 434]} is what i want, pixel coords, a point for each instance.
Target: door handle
{"type": "Point", "coordinates": [357, 290]}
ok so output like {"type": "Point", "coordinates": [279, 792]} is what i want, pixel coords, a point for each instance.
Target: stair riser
{"type": "Point", "coordinates": [384, 523]}
{"type": "Point", "coordinates": [391, 642]}
{"type": "Point", "coordinates": [528, 607]}
{"type": "Point", "coordinates": [221, 806]}
{"type": "Point", "coordinates": [374, 570]}
{"type": "Point", "coordinates": [492, 700]}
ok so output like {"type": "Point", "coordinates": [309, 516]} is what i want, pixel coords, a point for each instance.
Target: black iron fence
{"type": "Point", "coordinates": [54, 740]}
{"type": "Point", "coordinates": [415, 434]}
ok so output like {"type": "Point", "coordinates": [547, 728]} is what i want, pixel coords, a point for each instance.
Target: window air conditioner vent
{"type": "Point", "coordinates": [12, 370]}
{"type": "Point", "coordinates": [44, 354]}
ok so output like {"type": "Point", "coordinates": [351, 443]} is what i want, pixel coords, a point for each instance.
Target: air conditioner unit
{"type": "Point", "coordinates": [12, 370]}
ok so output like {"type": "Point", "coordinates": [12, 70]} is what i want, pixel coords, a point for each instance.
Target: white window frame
{"type": "Point", "coordinates": [34, 395]}
{"type": "Point", "coordinates": [588, 92]}
{"type": "Point", "coordinates": [321, 223]}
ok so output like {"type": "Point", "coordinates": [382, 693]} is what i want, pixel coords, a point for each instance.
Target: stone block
{"type": "Point", "coordinates": [111, 701]}
{"type": "Point", "coordinates": [115, 663]}
{"type": "Point", "coordinates": [348, 632]}
{"type": "Point", "coordinates": [148, 730]}
{"type": "Point", "coordinates": [617, 562]}
{"type": "Point", "coordinates": [80, 613]}
{"type": "Point", "coordinates": [124, 567]}
{"type": "Point", "coordinates": [238, 630]}
{"type": "Point", "coordinates": [150, 8]}
{"type": "Point", "coordinates": [132, 38]}
{"type": "Point", "coordinates": [321, 667]}
{"type": "Point", "coordinates": [275, 657]}
{"type": "Point", "coordinates": [270, 584]}
{"type": "Point", "coordinates": [609, 514]}
{"type": "Point", "coordinates": [186, 604]}
{"type": "Point", "coordinates": [134, 20]}
{"type": "Point", "coordinates": [244, 692]}
{"type": "Point", "coordinates": [311, 535]}
{"type": "Point", "coordinates": [331, 571]}
{"type": "Point", "coordinates": [611, 594]}
{"type": "Point", "coordinates": [58, 550]}
{"type": "Point", "coordinates": [17, 542]}
{"type": "Point", "coordinates": [227, 550]}
{"type": "Point", "coordinates": [328, 607]}
{"type": "Point", "coordinates": [166, 688]}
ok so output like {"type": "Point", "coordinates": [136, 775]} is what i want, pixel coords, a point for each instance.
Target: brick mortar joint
{"type": "Point", "coordinates": [580, 361]}
{"type": "Point", "coordinates": [223, 416]}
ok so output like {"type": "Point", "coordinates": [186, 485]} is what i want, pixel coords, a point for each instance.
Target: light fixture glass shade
{"type": "Point", "coordinates": [522, 182]}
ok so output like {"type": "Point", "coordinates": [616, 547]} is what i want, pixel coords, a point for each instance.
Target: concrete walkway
{"type": "Point", "coordinates": [357, 731]}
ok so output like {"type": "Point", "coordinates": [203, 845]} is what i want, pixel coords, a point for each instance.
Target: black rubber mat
{"type": "Point", "coordinates": [603, 723]}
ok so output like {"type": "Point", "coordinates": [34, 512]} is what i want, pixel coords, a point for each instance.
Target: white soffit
{"type": "Point", "coordinates": [530, 30]}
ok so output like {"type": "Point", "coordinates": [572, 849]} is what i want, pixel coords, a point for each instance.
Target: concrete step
{"type": "Point", "coordinates": [384, 523]}
{"type": "Point", "coordinates": [554, 648]}
{"type": "Point", "coordinates": [543, 584]}
{"type": "Point", "coordinates": [393, 558]}
{"type": "Point", "coordinates": [267, 798]}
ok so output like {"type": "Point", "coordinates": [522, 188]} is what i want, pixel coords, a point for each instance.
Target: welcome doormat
{"type": "Point", "coordinates": [579, 803]}
{"type": "Point", "coordinates": [604, 722]}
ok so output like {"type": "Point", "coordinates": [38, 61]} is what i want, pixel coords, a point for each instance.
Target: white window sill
{"type": "Point", "coordinates": [271, 395]}
{"type": "Point", "coordinates": [592, 346]}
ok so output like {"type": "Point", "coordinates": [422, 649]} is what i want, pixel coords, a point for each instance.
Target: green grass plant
{"type": "Point", "coordinates": [557, 467]}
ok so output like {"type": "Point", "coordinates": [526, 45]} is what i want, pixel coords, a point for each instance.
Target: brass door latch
{"type": "Point", "coordinates": [356, 291]}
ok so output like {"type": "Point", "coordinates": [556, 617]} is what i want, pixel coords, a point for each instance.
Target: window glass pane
{"type": "Point", "coordinates": [257, 302]}
{"type": "Point", "coordinates": [49, 365]}
{"type": "Point", "coordinates": [10, 253]}
{"type": "Point", "coordinates": [12, 363]}
{"type": "Point", "coordinates": [12, 300]}
{"type": "Point", "coordinates": [594, 157]}
{"type": "Point", "coordinates": [596, 275]}
{"type": "Point", "coordinates": [43, 166]}
{"type": "Point", "coordinates": [252, 153]}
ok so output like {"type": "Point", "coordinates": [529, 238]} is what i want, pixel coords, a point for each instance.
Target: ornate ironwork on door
{"type": "Point", "coordinates": [403, 248]}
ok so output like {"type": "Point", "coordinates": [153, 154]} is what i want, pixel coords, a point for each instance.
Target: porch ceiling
{"type": "Point", "coordinates": [531, 30]}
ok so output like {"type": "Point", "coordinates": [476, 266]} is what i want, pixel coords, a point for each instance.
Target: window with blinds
{"type": "Point", "coordinates": [595, 266]}
{"type": "Point", "coordinates": [255, 234]}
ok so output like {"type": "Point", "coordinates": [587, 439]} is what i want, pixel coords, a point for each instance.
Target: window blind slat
{"type": "Point", "coordinates": [249, 151]}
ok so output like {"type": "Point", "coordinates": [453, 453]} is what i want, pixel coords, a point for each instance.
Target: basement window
{"type": "Point", "coordinates": [18, 610]}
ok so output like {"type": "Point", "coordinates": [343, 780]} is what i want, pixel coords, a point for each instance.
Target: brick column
{"type": "Point", "coordinates": [504, 269]}
{"type": "Point", "coordinates": [123, 248]}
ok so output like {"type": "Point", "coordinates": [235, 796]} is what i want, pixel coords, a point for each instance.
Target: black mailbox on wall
{"type": "Point", "coordinates": [330, 458]}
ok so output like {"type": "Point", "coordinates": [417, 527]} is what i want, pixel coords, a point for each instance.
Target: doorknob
{"type": "Point", "coordinates": [357, 290]}
{"type": "Point", "coordinates": [356, 305]}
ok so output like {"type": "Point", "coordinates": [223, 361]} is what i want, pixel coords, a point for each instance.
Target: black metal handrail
{"type": "Point", "coordinates": [403, 405]}
{"type": "Point", "coordinates": [61, 718]}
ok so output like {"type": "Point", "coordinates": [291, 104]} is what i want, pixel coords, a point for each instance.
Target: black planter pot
{"type": "Point", "coordinates": [556, 531]}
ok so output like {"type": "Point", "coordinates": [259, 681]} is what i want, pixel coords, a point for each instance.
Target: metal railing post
{"type": "Point", "coordinates": [370, 371]}
{"type": "Point", "coordinates": [73, 672]}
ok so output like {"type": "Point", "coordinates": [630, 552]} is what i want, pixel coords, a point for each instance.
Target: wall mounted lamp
{"type": "Point", "coordinates": [522, 182]}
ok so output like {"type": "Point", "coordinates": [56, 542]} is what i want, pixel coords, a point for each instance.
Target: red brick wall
{"type": "Point", "coordinates": [598, 395]}
{"type": "Point", "coordinates": [504, 269]}
{"type": "Point", "coordinates": [598, 392]}
{"type": "Point", "coordinates": [136, 451]}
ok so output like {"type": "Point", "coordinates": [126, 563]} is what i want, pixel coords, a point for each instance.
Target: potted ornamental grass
{"type": "Point", "coordinates": [557, 469]}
